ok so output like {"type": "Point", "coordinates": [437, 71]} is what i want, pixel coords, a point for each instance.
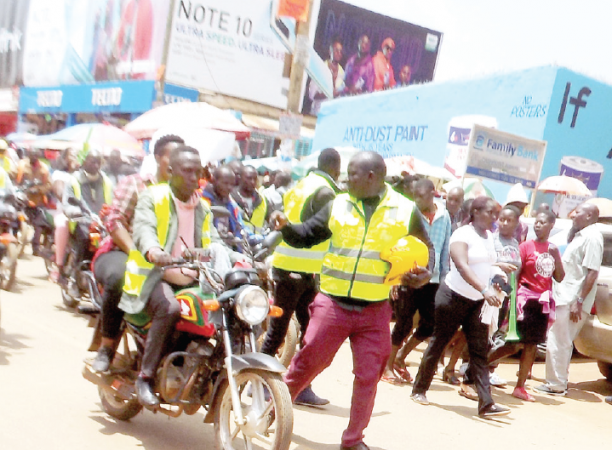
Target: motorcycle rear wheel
{"type": "Point", "coordinates": [117, 407]}
{"type": "Point", "coordinates": [268, 426]}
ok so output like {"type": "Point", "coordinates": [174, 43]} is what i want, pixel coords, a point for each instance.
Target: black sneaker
{"type": "Point", "coordinates": [494, 410]}
{"type": "Point", "coordinates": [103, 360]}
{"type": "Point", "coordinates": [308, 398]}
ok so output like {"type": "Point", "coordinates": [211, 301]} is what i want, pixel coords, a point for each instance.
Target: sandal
{"type": "Point", "coordinates": [394, 380]}
{"type": "Point", "coordinates": [402, 373]}
{"type": "Point", "coordinates": [448, 376]}
{"type": "Point", "coordinates": [522, 394]}
{"type": "Point", "coordinates": [468, 392]}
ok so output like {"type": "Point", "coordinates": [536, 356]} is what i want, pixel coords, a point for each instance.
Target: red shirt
{"type": "Point", "coordinates": [538, 266]}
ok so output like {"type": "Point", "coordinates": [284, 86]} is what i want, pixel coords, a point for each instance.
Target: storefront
{"type": "Point", "coordinates": [48, 109]}
{"type": "Point", "coordinates": [9, 99]}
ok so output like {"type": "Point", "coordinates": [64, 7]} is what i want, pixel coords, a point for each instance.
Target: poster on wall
{"type": "Point", "coordinates": [227, 47]}
{"type": "Point", "coordinates": [98, 40]}
{"type": "Point", "coordinates": [505, 157]}
{"type": "Point", "coordinates": [367, 52]}
{"type": "Point", "coordinates": [13, 17]}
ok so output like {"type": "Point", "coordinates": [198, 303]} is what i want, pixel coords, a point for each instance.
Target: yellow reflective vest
{"type": "Point", "coordinates": [107, 186]}
{"type": "Point", "coordinates": [137, 267]}
{"type": "Point", "coordinates": [3, 177]}
{"type": "Point", "coordinates": [258, 218]}
{"type": "Point", "coordinates": [352, 267]}
{"type": "Point", "coordinates": [307, 260]}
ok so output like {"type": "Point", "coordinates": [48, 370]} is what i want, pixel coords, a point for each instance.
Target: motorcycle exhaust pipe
{"type": "Point", "coordinates": [120, 388]}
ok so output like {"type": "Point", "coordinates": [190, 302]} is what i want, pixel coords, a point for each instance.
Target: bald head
{"type": "Point", "coordinates": [584, 215]}
{"type": "Point", "coordinates": [248, 180]}
{"type": "Point", "coordinates": [366, 174]}
{"type": "Point", "coordinates": [454, 200]}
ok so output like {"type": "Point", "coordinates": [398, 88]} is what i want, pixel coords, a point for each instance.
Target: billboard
{"type": "Point", "coordinates": [77, 41]}
{"type": "Point", "coordinates": [367, 52]}
{"type": "Point", "coordinates": [13, 16]}
{"type": "Point", "coordinates": [505, 157]}
{"type": "Point", "coordinates": [227, 46]}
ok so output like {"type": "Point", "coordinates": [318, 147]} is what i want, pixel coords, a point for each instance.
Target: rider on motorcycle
{"type": "Point", "coordinates": [94, 188]}
{"type": "Point", "coordinates": [34, 174]}
{"type": "Point", "coordinates": [169, 219]}
{"type": "Point", "coordinates": [251, 202]}
{"type": "Point", "coordinates": [6, 162]}
{"type": "Point", "coordinates": [110, 259]}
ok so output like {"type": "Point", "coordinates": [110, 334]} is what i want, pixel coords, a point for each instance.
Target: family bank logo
{"type": "Point", "coordinates": [508, 149]}
{"type": "Point", "coordinates": [479, 142]}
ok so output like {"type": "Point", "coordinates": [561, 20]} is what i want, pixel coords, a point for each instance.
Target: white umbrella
{"type": "Point", "coordinates": [312, 161]}
{"type": "Point", "coordinates": [186, 114]}
{"type": "Point", "coordinates": [562, 184]}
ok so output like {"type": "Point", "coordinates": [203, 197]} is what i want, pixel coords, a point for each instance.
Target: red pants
{"type": "Point", "coordinates": [330, 325]}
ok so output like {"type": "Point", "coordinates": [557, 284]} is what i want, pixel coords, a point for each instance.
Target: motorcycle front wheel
{"type": "Point", "coordinates": [268, 417]}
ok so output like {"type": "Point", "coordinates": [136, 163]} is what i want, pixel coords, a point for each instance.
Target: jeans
{"type": "Point", "coordinates": [330, 325]}
{"type": "Point", "coordinates": [109, 271]}
{"type": "Point", "coordinates": [451, 311]}
{"type": "Point", "coordinates": [294, 292]}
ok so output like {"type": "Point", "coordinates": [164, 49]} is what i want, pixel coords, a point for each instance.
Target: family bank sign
{"type": "Point", "coordinates": [505, 157]}
{"type": "Point", "coordinates": [120, 97]}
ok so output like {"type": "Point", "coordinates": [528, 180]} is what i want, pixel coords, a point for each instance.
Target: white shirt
{"type": "Point", "coordinates": [481, 256]}
{"type": "Point", "coordinates": [583, 253]}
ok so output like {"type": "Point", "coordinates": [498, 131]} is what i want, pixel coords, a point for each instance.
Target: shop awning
{"type": "Point", "coordinates": [268, 125]}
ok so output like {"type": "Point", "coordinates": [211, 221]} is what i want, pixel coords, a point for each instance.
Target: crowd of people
{"type": "Point", "coordinates": [329, 269]}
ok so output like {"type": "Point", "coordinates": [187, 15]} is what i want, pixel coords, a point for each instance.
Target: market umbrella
{"type": "Point", "coordinates": [603, 204]}
{"type": "Point", "coordinates": [400, 164]}
{"type": "Point", "coordinates": [562, 184]}
{"type": "Point", "coordinates": [301, 169]}
{"type": "Point", "coordinates": [186, 114]}
{"type": "Point", "coordinates": [97, 135]}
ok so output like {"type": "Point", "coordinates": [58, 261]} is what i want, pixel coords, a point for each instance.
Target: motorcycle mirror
{"type": "Point", "coordinates": [272, 240]}
{"type": "Point", "coordinates": [220, 212]}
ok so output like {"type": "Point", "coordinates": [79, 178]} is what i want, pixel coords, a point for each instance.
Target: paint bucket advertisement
{"type": "Point", "coordinates": [586, 170]}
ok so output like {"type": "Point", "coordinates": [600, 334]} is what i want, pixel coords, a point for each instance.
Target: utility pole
{"type": "Point", "coordinates": [298, 63]}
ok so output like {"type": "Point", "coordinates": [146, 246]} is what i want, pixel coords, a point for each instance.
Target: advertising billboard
{"type": "Point", "coordinates": [367, 52]}
{"type": "Point", "coordinates": [13, 16]}
{"type": "Point", "coordinates": [75, 41]}
{"type": "Point", "coordinates": [227, 46]}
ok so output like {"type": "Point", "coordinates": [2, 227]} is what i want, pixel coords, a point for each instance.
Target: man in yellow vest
{"type": "Point", "coordinates": [5, 181]}
{"type": "Point", "coordinates": [294, 268]}
{"type": "Point", "coordinates": [110, 259]}
{"type": "Point", "coordinates": [94, 188]}
{"type": "Point", "coordinates": [251, 202]}
{"type": "Point", "coordinates": [353, 302]}
{"type": "Point", "coordinates": [167, 217]}
{"type": "Point", "coordinates": [6, 161]}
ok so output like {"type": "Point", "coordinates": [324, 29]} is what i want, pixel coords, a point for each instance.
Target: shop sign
{"type": "Point", "coordinates": [122, 97]}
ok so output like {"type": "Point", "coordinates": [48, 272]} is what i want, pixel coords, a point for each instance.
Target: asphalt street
{"type": "Point", "coordinates": [46, 404]}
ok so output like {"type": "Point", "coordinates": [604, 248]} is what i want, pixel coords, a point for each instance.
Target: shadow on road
{"type": "Point", "coordinates": [10, 341]}
{"type": "Point", "coordinates": [587, 388]}
{"type": "Point", "coordinates": [333, 410]}
{"type": "Point", "coordinates": [306, 444]}
{"type": "Point", "coordinates": [471, 413]}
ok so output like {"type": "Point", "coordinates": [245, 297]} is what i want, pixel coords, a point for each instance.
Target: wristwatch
{"type": "Point", "coordinates": [580, 300]}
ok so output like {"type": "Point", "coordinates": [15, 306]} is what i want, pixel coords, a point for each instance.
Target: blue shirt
{"type": "Point", "coordinates": [439, 233]}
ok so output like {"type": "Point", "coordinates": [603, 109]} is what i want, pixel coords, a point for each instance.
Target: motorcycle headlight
{"type": "Point", "coordinates": [252, 305]}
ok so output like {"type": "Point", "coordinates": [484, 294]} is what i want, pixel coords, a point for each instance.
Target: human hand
{"type": "Point", "coordinates": [278, 220]}
{"type": "Point", "coordinates": [506, 267]}
{"type": "Point", "coordinates": [159, 257]}
{"type": "Point", "coordinates": [576, 311]}
{"type": "Point", "coordinates": [490, 296]}
{"type": "Point", "coordinates": [417, 277]}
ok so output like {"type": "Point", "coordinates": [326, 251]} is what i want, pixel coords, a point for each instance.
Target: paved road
{"type": "Point", "coordinates": [45, 404]}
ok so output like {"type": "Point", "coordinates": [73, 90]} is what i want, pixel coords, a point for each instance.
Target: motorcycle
{"type": "Point", "coordinates": [9, 229]}
{"type": "Point", "coordinates": [25, 231]}
{"type": "Point", "coordinates": [212, 363]}
{"type": "Point", "coordinates": [75, 274]}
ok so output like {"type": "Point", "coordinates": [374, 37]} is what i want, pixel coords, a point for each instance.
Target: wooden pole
{"type": "Point", "coordinates": [298, 63]}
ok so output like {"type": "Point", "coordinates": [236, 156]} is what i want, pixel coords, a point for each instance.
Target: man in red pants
{"type": "Point", "coordinates": [353, 302]}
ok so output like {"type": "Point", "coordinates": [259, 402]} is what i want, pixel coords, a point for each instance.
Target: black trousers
{"type": "Point", "coordinates": [410, 301]}
{"type": "Point", "coordinates": [294, 292]}
{"type": "Point", "coordinates": [81, 242]}
{"type": "Point", "coordinates": [165, 311]}
{"type": "Point", "coordinates": [451, 311]}
{"type": "Point", "coordinates": [36, 216]}
{"type": "Point", "coordinates": [109, 271]}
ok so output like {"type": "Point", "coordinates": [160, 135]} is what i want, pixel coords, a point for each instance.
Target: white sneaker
{"type": "Point", "coordinates": [462, 369]}
{"type": "Point", "coordinates": [496, 380]}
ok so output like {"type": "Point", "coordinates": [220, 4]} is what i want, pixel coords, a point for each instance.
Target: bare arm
{"type": "Point", "coordinates": [459, 255]}
{"type": "Point", "coordinates": [559, 273]}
